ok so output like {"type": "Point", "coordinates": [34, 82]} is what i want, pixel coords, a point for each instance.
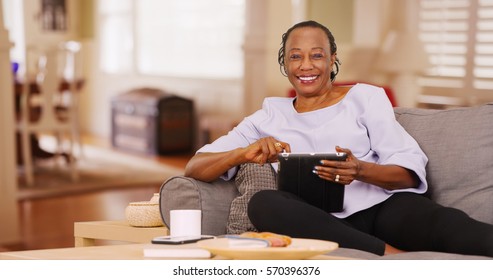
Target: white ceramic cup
{"type": "Point", "coordinates": [185, 222]}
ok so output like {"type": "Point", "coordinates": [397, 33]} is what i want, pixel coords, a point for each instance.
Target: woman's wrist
{"type": "Point", "coordinates": [237, 157]}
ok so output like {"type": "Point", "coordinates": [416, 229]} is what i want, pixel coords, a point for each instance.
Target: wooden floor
{"type": "Point", "coordinates": [48, 223]}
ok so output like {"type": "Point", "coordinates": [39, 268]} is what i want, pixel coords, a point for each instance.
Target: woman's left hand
{"type": "Point", "coordinates": [343, 172]}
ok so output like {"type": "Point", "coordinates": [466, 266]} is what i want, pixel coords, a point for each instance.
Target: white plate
{"type": "Point", "coordinates": [299, 249]}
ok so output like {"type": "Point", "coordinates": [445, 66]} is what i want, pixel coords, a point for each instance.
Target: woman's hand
{"type": "Point", "coordinates": [343, 172]}
{"type": "Point", "coordinates": [265, 150]}
{"type": "Point", "coordinates": [208, 167]}
{"type": "Point", "coordinates": [389, 177]}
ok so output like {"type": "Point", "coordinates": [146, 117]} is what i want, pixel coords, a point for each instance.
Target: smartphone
{"type": "Point", "coordinates": [179, 239]}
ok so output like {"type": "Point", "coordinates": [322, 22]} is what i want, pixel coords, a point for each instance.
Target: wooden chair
{"type": "Point", "coordinates": [70, 64]}
{"type": "Point", "coordinates": [39, 113]}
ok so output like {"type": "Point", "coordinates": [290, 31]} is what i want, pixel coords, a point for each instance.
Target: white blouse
{"type": "Point", "coordinates": [363, 121]}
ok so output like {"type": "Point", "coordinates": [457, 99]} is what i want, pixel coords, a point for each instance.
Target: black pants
{"type": "Point", "coordinates": [407, 221]}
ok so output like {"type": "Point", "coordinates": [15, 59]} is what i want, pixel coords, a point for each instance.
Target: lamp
{"type": "Point", "coordinates": [403, 56]}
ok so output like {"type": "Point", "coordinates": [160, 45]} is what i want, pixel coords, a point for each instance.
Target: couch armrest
{"type": "Point", "coordinates": [214, 199]}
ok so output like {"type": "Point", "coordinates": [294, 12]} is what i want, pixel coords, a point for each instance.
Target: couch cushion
{"type": "Point", "coordinates": [459, 146]}
{"type": "Point", "coordinates": [420, 255]}
{"type": "Point", "coordinates": [213, 199]}
{"type": "Point", "coordinates": [427, 255]}
{"type": "Point", "coordinates": [250, 178]}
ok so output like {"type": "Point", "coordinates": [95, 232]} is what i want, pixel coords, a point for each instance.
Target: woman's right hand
{"type": "Point", "coordinates": [265, 150]}
{"type": "Point", "coordinates": [209, 166]}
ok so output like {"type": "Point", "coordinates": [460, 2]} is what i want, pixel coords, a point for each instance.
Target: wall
{"type": "Point", "coordinates": [280, 18]}
{"type": "Point", "coordinates": [336, 15]}
{"type": "Point", "coordinates": [86, 19]}
{"type": "Point", "coordinates": [9, 223]}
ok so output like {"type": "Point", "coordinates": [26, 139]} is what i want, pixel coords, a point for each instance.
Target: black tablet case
{"type": "Point", "coordinates": [295, 175]}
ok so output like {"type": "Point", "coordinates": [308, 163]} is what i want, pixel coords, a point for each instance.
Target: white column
{"type": "Point", "coordinates": [299, 8]}
{"type": "Point", "coordinates": [368, 20]}
{"type": "Point", "coordinates": [405, 81]}
{"type": "Point", "coordinates": [255, 51]}
{"type": "Point", "coordinates": [9, 217]}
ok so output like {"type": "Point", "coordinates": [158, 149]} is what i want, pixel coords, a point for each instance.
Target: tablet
{"type": "Point", "coordinates": [295, 175]}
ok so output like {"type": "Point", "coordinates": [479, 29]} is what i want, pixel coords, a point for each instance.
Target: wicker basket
{"type": "Point", "coordinates": [143, 214]}
{"type": "Point", "coordinates": [155, 198]}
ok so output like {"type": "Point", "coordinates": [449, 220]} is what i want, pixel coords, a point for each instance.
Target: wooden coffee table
{"type": "Point", "coordinates": [107, 252]}
{"type": "Point", "coordinates": [86, 233]}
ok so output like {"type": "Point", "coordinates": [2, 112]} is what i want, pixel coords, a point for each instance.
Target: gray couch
{"type": "Point", "coordinates": [458, 143]}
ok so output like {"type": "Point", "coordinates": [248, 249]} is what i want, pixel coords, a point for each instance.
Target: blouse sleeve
{"type": "Point", "coordinates": [390, 141]}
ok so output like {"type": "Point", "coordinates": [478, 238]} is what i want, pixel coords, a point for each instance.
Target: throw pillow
{"type": "Point", "coordinates": [250, 178]}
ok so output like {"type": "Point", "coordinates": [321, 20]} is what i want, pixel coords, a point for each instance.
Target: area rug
{"type": "Point", "coordinates": [98, 169]}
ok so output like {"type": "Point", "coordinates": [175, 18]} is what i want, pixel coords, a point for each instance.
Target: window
{"type": "Point", "coordinates": [458, 37]}
{"type": "Point", "coordinates": [483, 57]}
{"type": "Point", "coordinates": [116, 36]}
{"type": "Point", "coordinates": [193, 38]}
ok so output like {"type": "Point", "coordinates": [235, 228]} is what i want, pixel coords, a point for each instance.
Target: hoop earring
{"type": "Point", "coordinates": [333, 74]}
{"type": "Point", "coordinates": [282, 68]}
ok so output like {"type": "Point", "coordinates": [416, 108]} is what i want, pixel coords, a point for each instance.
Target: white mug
{"type": "Point", "coordinates": [186, 222]}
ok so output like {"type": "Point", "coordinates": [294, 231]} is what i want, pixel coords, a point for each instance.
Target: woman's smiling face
{"type": "Point", "coordinates": [308, 61]}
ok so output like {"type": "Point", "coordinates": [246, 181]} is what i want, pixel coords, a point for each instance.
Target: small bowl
{"type": "Point", "coordinates": [143, 214]}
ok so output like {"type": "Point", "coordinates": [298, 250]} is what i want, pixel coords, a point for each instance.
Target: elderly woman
{"type": "Point", "coordinates": [384, 174]}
